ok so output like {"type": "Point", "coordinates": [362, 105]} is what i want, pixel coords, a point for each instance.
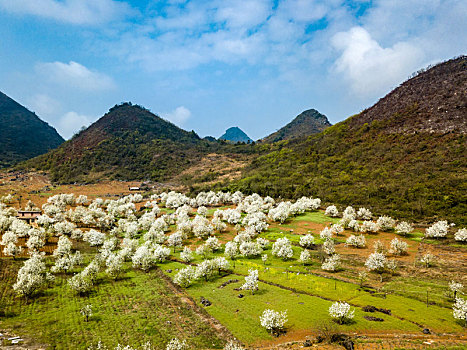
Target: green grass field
{"type": "Point", "coordinates": [136, 309]}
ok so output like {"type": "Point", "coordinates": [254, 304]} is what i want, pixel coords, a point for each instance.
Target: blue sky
{"type": "Point", "coordinates": [208, 65]}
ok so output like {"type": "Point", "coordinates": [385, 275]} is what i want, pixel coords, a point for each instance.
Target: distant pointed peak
{"type": "Point", "coordinates": [235, 134]}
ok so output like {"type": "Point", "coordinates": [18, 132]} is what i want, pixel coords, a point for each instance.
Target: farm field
{"type": "Point", "coordinates": [411, 306]}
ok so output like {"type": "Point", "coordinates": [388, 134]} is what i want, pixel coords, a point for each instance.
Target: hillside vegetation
{"type": "Point", "coordinates": [129, 142]}
{"type": "Point", "coordinates": [406, 155]}
{"type": "Point", "coordinates": [22, 134]}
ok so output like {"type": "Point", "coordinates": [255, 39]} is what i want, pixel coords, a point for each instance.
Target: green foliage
{"type": "Point", "coordinates": [22, 134]}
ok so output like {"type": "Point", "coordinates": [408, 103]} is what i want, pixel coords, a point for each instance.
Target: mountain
{"type": "Point", "coordinates": [235, 134]}
{"type": "Point", "coordinates": [128, 143]}
{"type": "Point", "coordinates": [405, 156]}
{"type": "Point", "coordinates": [306, 123]}
{"type": "Point", "coordinates": [22, 134]}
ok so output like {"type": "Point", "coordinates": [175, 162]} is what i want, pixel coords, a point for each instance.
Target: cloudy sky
{"type": "Point", "coordinates": [207, 65]}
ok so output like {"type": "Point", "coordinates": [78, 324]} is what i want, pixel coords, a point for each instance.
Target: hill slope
{"type": "Point", "coordinates": [22, 134]}
{"type": "Point", "coordinates": [405, 156]}
{"type": "Point", "coordinates": [235, 134]}
{"type": "Point", "coordinates": [128, 143]}
{"type": "Point", "coordinates": [306, 123]}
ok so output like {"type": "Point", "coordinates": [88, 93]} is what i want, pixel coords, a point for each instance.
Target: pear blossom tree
{"type": "Point", "coordinates": [455, 288]}
{"type": "Point", "coordinates": [386, 223]}
{"type": "Point", "coordinates": [282, 248]}
{"type": "Point", "coordinates": [332, 263]}
{"type": "Point", "coordinates": [461, 235]}
{"type": "Point", "coordinates": [341, 313]}
{"type": "Point", "coordinates": [31, 276]}
{"type": "Point", "coordinates": [251, 281]}
{"type": "Point", "coordinates": [459, 310]}
{"type": "Point", "coordinates": [273, 321]}
{"type": "Point", "coordinates": [9, 241]}
{"type": "Point", "coordinates": [187, 254]}
{"type": "Point", "coordinates": [364, 214]}
{"type": "Point", "coordinates": [307, 241]}
{"type": "Point", "coordinates": [331, 211]}
{"type": "Point", "coordinates": [305, 257]}
{"type": "Point", "coordinates": [356, 241]}
{"type": "Point", "coordinates": [438, 230]}
{"type": "Point", "coordinates": [185, 277]}
{"type": "Point", "coordinates": [86, 312]}
{"type": "Point", "coordinates": [398, 247]}
{"type": "Point", "coordinates": [403, 228]}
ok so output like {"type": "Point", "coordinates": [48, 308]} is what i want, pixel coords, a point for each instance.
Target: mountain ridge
{"type": "Point", "coordinates": [403, 159]}
{"type": "Point", "coordinates": [306, 123]}
{"type": "Point", "coordinates": [23, 134]}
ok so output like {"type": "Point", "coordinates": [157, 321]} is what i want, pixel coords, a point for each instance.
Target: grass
{"type": "Point", "coordinates": [133, 310]}
{"type": "Point", "coordinates": [241, 315]}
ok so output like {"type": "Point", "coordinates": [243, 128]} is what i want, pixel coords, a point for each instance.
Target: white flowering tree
{"type": "Point", "coordinates": [331, 211]}
{"type": "Point", "coordinates": [86, 312]}
{"type": "Point", "coordinates": [143, 258]}
{"type": "Point", "coordinates": [329, 247]}
{"type": "Point", "coordinates": [326, 233]}
{"type": "Point", "coordinates": [9, 241]}
{"type": "Point", "coordinates": [282, 248]}
{"type": "Point", "coordinates": [251, 281]}
{"type": "Point", "coordinates": [455, 288]}
{"type": "Point", "coordinates": [185, 277]}
{"type": "Point", "coordinates": [273, 321]}
{"type": "Point", "coordinates": [187, 254]}
{"type": "Point", "coordinates": [332, 263]}
{"type": "Point", "coordinates": [437, 230]}
{"type": "Point", "coordinates": [356, 241]}
{"type": "Point", "coordinates": [377, 262]}
{"type": "Point", "coordinates": [341, 313]}
{"type": "Point", "coordinates": [250, 249]}
{"type": "Point", "coordinates": [461, 235]}
{"type": "Point", "coordinates": [459, 310]}
{"type": "Point", "coordinates": [114, 265]}
{"type": "Point", "coordinates": [386, 223]}
{"type": "Point", "coordinates": [81, 283]}
{"type": "Point", "coordinates": [94, 237]}
{"type": "Point", "coordinates": [364, 214]}
{"type": "Point", "coordinates": [428, 259]}
{"type": "Point", "coordinates": [307, 241]}
{"type": "Point", "coordinates": [403, 228]}
{"type": "Point", "coordinates": [233, 346]}
{"type": "Point", "coordinates": [305, 257]}
{"type": "Point", "coordinates": [398, 247]}
{"type": "Point", "coordinates": [31, 276]}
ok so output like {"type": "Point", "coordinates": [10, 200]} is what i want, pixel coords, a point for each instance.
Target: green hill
{"type": "Point", "coordinates": [306, 123]}
{"type": "Point", "coordinates": [128, 143]}
{"type": "Point", "coordinates": [22, 134]}
{"type": "Point", "coordinates": [405, 156]}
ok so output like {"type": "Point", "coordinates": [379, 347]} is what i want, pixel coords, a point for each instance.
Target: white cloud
{"type": "Point", "coordinates": [243, 14]}
{"type": "Point", "coordinates": [44, 105]}
{"type": "Point", "coordinates": [75, 75]}
{"type": "Point", "coordinates": [371, 69]}
{"type": "Point", "coordinates": [71, 122]}
{"type": "Point", "coordinates": [178, 116]}
{"type": "Point", "coordinates": [80, 12]}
